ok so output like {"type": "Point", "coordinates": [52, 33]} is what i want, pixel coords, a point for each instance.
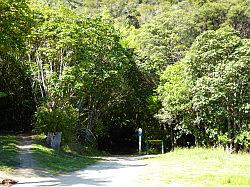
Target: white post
{"type": "Point", "coordinates": [162, 147]}
{"type": "Point", "coordinates": [140, 135]}
{"type": "Point", "coordinates": [139, 145]}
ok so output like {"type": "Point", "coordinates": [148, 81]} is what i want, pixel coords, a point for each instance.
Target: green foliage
{"type": "Point", "coordinates": [174, 90]}
{"type": "Point", "coordinates": [243, 139]}
{"type": "Point", "coordinates": [165, 39]}
{"type": "Point", "coordinates": [239, 17]}
{"type": "Point", "coordinates": [15, 23]}
{"type": "Point", "coordinates": [211, 15]}
{"type": "Point", "coordinates": [213, 48]}
{"type": "Point", "coordinates": [180, 58]}
{"type": "Point", "coordinates": [17, 106]}
{"type": "Point", "coordinates": [2, 94]}
{"type": "Point", "coordinates": [57, 120]}
{"type": "Point", "coordinates": [223, 139]}
{"type": "Point", "coordinates": [78, 61]}
{"type": "Point", "coordinates": [208, 91]}
{"type": "Point", "coordinates": [8, 153]}
{"type": "Point", "coordinates": [220, 60]}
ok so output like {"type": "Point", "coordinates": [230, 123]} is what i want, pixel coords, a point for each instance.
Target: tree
{"type": "Point", "coordinates": [77, 62]}
{"type": "Point", "coordinates": [165, 39]}
{"type": "Point", "coordinates": [211, 15]}
{"type": "Point", "coordinates": [239, 17]}
{"type": "Point", "coordinates": [219, 61]}
{"type": "Point", "coordinates": [174, 93]}
{"type": "Point", "coordinates": [17, 106]}
{"type": "Point", "coordinates": [15, 24]}
{"type": "Point", "coordinates": [209, 98]}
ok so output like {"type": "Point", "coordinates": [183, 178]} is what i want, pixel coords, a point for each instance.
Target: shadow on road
{"type": "Point", "coordinates": [109, 172]}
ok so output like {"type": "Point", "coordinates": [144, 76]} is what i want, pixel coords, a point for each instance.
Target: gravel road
{"type": "Point", "coordinates": [115, 171]}
{"type": "Point", "coordinates": [111, 172]}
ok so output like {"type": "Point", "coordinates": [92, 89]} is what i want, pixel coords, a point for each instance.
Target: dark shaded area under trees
{"type": "Point", "coordinates": [16, 101]}
{"type": "Point", "coordinates": [17, 105]}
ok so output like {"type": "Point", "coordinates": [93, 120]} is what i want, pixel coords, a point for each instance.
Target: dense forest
{"type": "Point", "coordinates": [97, 70]}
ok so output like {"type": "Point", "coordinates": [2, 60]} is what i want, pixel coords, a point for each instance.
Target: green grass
{"type": "Point", "coordinates": [57, 162]}
{"type": "Point", "coordinates": [8, 153]}
{"type": "Point", "coordinates": [201, 167]}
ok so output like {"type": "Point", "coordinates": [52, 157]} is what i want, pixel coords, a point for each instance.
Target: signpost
{"type": "Point", "coordinates": [140, 135]}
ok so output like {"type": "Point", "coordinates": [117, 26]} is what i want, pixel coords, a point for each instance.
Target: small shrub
{"type": "Point", "coordinates": [57, 120]}
{"type": "Point", "coordinates": [243, 140]}
{"type": "Point", "coordinates": [223, 139]}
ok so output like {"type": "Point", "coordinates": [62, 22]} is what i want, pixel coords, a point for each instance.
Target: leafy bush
{"type": "Point", "coordinates": [2, 94]}
{"type": "Point", "coordinates": [243, 139]}
{"type": "Point", "coordinates": [57, 120]}
{"type": "Point", "coordinates": [223, 139]}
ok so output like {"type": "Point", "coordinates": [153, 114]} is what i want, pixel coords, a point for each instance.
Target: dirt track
{"type": "Point", "coordinates": [117, 171]}
{"type": "Point", "coordinates": [113, 171]}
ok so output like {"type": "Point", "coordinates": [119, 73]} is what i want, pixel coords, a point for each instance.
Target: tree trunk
{"type": "Point", "coordinates": [230, 137]}
{"type": "Point", "coordinates": [61, 63]}
{"type": "Point", "coordinates": [90, 119]}
{"type": "Point", "coordinates": [41, 75]}
{"type": "Point", "coordinates": [172, 136]}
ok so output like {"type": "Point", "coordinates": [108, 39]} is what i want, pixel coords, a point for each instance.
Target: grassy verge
{"type": "Point", "coordinates": [61, 161]}
{"type": "Point", "coordinates": [201, 167]}
{"type": "Point", "coordinates": [8, 153]}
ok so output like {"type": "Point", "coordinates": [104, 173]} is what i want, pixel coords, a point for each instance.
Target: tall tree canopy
{"type": "Point", "coordinates": [208, 92]}
{"type": "Point", "coordinates": [97, 70]}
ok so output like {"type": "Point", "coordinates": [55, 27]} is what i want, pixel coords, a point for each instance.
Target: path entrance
{"type": "Point", "coordinates": [116, 171]}
{"type": "Point", "coordinates": [110, 172]}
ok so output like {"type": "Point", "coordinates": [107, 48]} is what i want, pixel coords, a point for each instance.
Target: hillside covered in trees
{"type": "Point", "coordinates": [97, 70]}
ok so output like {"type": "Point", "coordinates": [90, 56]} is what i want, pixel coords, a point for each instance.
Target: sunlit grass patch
{"type": "Point", "coordinates": [202, 167]}
{"type": "Point", "coordinates": [59, 161]}
{"type": "Point", "coordinates": [223, 179]}
{"type": "Point", "coordinates": [8, 153]}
